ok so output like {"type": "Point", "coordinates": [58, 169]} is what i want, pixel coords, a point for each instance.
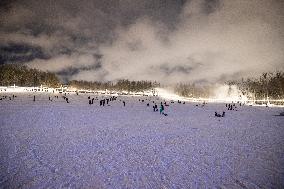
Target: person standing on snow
{"type": "Point", "coordinates": [162, 109]}
{"type": "Point", "coordinates": [155, 108]}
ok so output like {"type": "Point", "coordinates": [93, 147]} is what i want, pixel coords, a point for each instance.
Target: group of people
{"type": "Point", "coordinates": [162, 108]}
{"type": "Point", "coordinates": [155, 107]}
{"type": "Point", "coordinates": [179, 102]}
{"type": "Point", "coordinates": [65, 98]}
{"type": "Point", "coordinates": [231, 106]}
{"type": "Point", "coordinates": [91, 101]}
{"type": "Point", "coordinates": [219, 115]}
{"type": "Point", "coordinates": [51, 99]}
{"type": "Point", "coordinates": [10, 97]}
{"type": "Point", "coordinates": [106, 101]}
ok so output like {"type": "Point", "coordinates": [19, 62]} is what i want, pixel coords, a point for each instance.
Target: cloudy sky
{"type": "Point", "coordinates": [164, 40]}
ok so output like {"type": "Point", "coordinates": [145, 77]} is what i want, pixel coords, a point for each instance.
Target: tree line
{"type": "Point", "coordinates": [120, 85]}
{"type": "Point", "coordinates": [268, 85]}
{"type": "Point", "coordinates": [21, 75]}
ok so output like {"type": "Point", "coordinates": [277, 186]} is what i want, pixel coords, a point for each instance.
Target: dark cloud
{"type": "Point", "coordinates": [164, 40]}
{"type": "Point", "coordinates": [179, 69]}
{"type": "Point", "coordinates": [19, 53]}
{"type": "Point", "coordinates": [211, 6]}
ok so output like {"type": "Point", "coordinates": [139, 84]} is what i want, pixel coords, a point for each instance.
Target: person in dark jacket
{"type": "Point", "coordinates": [162, 108]}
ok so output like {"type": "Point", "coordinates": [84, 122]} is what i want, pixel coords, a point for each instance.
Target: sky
{"type": "Point", "coordinates": [169, 41]}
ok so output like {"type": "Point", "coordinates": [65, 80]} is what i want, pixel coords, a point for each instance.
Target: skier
{"type": "Point", "coordinates": [123, 103]}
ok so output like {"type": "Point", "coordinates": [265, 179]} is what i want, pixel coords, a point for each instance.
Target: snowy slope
{"type": "Point", "coordinates": [52, 144]}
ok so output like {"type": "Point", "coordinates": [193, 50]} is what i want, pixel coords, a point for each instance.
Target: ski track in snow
{"type": "Point", "coordinates": [46, 144]}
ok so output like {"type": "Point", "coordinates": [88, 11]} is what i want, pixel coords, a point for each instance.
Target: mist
{"type": "Point", "coordinates": [170, 42]}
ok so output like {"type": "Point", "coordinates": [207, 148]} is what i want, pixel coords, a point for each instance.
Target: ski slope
{"type": "Point", "coordinates": [54, 144]}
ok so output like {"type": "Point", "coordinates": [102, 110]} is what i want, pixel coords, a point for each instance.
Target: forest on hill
{"type": "Point", "coordinates": [267, 85]}
{"type": "Point", "coordinates": [21, 75]}
{"type": "Point", "coordinates": [120, 85]}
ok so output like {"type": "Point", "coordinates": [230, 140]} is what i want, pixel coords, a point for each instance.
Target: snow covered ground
{"type": "Point", "coordinates": [52, 144]}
